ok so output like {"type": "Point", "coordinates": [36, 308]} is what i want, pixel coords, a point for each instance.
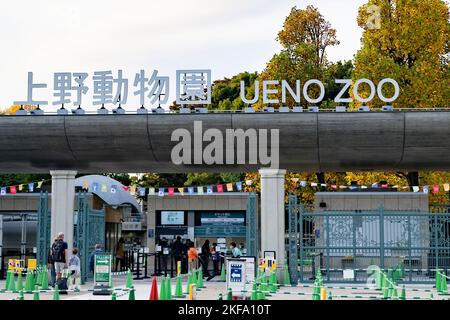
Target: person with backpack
{"type": "Point", "coordinates": [59, 256]}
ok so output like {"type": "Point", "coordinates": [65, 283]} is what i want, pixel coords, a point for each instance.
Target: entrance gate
{"type": "Point", "coordinates": [89, 230]}
{"type": "Point", "coordinates": [411, 241]}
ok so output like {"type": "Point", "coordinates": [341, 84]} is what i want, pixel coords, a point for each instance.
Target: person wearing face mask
{"type": "Point", "coordinates": [235, 250]}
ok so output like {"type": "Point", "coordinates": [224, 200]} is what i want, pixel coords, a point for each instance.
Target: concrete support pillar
{"type": "Point", "coordinates": [272, 214]}
{"type": "Point", "coordinates": [63, 197]}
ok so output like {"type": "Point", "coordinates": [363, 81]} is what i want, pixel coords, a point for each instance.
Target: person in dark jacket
{"type": "Point", "coordinates": [98, 250]}
{"type": "Point", "coordinates": [205, 255]}
{"type": "Point", "coordinates": [177, 251]}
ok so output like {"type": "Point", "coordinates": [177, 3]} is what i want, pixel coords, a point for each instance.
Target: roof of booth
{"type": "Point", "coordinates": [120, 197]}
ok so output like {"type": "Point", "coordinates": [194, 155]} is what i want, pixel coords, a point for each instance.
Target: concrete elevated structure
{"type": "Point", "coordinates": [372, 141]}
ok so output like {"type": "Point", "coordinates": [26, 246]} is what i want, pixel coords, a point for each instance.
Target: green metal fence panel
{"type": "Point", "coordinates": [252, 225]}
{"type": "Point", "coordinates": [43, 229]}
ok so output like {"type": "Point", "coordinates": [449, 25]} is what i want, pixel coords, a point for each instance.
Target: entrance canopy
{"type": "Point", "coordinates": [364, 141]}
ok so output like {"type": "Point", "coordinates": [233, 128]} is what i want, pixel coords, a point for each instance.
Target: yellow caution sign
{"type": "Point", "coordinates": [12, 264]}
{"type": "Point", "coordinates": [32, 263]}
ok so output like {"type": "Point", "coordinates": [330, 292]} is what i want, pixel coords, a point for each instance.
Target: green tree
{"type": "Point", "coordinates": [411, 45]}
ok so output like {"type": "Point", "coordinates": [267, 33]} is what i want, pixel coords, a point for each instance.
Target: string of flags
{"type": "Point", "coordinates": [218, 188]}
{"type": "Point", "coordinates": [28, 187]}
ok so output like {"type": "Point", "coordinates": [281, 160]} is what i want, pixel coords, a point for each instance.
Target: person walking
{"type": "Point", "coordinates": [205, 255]}
{"type": "Point", "coordinates": [192, 257]}
{"type": "Point", "coordinates": [215, 256]}
{"type": "Point", "coordinates": [120, 254]}
{"type": "Point", "coordinates": [59, 256]}
{"type": "Point", "coordinates": [75, 270]}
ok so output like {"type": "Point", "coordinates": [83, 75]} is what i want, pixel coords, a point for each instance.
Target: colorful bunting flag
{"type": "Point", "coordinates": [446, 187]}
{"type": "Point", "coordinates": [142, 191]}
{"type": "Point", "coordinates": [30, 187]}
{"type": "Point", "coordinates": [295, 180]}
{"type": "Point", "coordinates": [181, 191]}
{"type": "Point", "coordinates": [435, 188]}
{"type": "Point", "coordinates": [199, 190]}
{"type": "Point", "coordinates": [219, 188]}
{"type": "Point", "coordinates": [94, 187]}
{"type": "Point", "coordinates": [313, 184]}
{"type": "Point", "coordinates": [3, 191]}
{"type": "Point", "coordinates": [161, 192]}
{"type": "Point", "coordinates": [86, 184]}
{"type": "Point", "coordinates": [425, 189]}
{"type": "Point", "coordinates": [39, 185]}
{"type": "Point", "coordinates": [151, 191]}
{"type": "Point", "coordinates": [333, 186]}
{"type": "Point", "coordinates": [171, 191]}
{"type": "Point", "coordinates": [303, 184]}
{"type": "Point", "coordinates": [12, 189]}
{"type": "Point", "coordinates": [239, 186]}
{"type": "Point", "coordinates": [133, 190]}
{"type": "Point", "coordinates": [229, 187]}
{"type": "Point", "coordinates": [248, 182]}
{"type": "Point", "coordinates": [125, 188]}
{"type": "Point", "coordinates": [191, 190]}
{"type": "Point", "coordinates": [20, 187]}
{"type": "Point", "coordinates": [209, 189]}
{"type": "Point", "coordinates": [416, 189]}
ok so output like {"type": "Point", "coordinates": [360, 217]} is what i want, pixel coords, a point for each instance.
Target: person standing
{"type": "Point", "coordinates": [177, 251]}
{"type": "Point", "coordinates": [235, 250]}
{"type": "Point", "coordinates": [97, 250]}
{"type": "Point", "coordinates": [120, 254]}
{"type": "Point", "coordinates": [51, 263]}
{"type": "Point", "coordinates": [205, 255]}
{"type": "Point", "coordinates": [215, 256]}
{"type": "Point", "coordinates": [192, 257]}
{"type": "Point", "coordinates": [59, 256]}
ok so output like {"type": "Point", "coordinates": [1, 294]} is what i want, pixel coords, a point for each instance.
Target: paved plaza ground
{"type": "Point", "coordinates": [340, 291]}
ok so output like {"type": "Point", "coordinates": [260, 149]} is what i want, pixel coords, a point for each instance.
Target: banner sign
{"type": "Point", "coordinates": [236, 275]}
{"type": "Point", "coordinates": [102, 269]}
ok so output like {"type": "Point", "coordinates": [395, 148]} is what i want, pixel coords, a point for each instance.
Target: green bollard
{"type": "Point", "coordinates": [36, 293]}
{"type": "Point", "coordinates": [220, 297]}
{"type": "Point", "coordinates": [19, 286]}
{"type": "Point", "coordinates": [330, 296]}
{"type": "Point", "coordinates": [179, 288]}
{"type": "Point", "coordinates": [168, 289]}
{"type": "Point", "coordinates": [8, 278]}
{"type": "Point", "coordinates": [129, 282]}
{"type": "Point", "coordinates": [21, 297]}
{"type": "Point", "coordinates": [114, 296]}
{"type": "Point", "coordinates": [12, 283]}
{"type": "Point", "coordinates": [286, 277]}
{"type": "Point", "coordinates": [131, 295]}
{"type": "Point", "coordinates": [254, 295]}
{"type": "Point", "coordinates": [223, 276]}
{"type": "Point", "coordinates": [403, 294]}
{"type": "Point", "coordinates": [56, 293]}
{"type": "Point", "coordinates": [44, 285]}
{"type": "Point", "coordinates": [229, 294]}
{"type": "Point", "coordinates": [189, 281]}
{"type": "Point", "coordinates": [162, 289]}
{"type": "Point", "coordinates": [200, 284]}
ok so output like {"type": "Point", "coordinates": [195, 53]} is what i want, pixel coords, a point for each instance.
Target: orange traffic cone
{"type": "Point", "coordinates": [154, 290]}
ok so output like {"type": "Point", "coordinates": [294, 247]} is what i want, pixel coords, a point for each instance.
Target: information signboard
{"type": "Point", "coordinates": [236, 275]}
{"type": "Point", "coordinates": [102, 270]}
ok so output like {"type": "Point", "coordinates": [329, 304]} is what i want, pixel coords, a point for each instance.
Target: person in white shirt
{"type": "Point", "coordinates": [75, 270]}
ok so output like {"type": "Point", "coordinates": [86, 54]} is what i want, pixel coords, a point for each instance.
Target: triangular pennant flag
{"type": "Point", "coordinates": [20, 187]}
{"type": "Point", "coordinates": [446, 187]}
{"type": "Point", "coordinates": [171, 191]}
{"type": "Point", "coordinates": [12, 189]}
{"type": "Point", "coordinates": [248, 182]}
{"type": "Point", "coordinates": [200, 190]}
{"type": "Point", "coordinates": [342, 187]}
{"type": "Point", "coordinates": [39, 185]}
{"type": "Point", "coordinates": [219, 188]}
{"type": "Point", "coordinates": [161, 192]}
{"type": "Point", "coordinates": [415, 188]}
{"type": "Point", "coordinates": [323, 184]}
{"type": "Point", "coordinates": [86, 184]}
{"type": "Point", "coordinates": [125, 188]}
{"type": "Point", "coordinates": [133, 190]}
{"type": "Point", "coordinates": [239, 186]}
{"type": "Point", "coordinates": [353, 187]}
{"type": "Point", "coordinates": [363, 187]}
{"type": "Point", "coordinates": [425, 189]}
{"type": "Point", "coordinates": [191, 190]}
{"type": "Point", "coordinates": [181, 191]}
{"type": "Point", "coordinates": [333, 186]}
{"type": "Point", "coordinates": [435, 188]}
{"type": "Point", "coordinates": [229, 187]}
{"type": "Point", "coordinates": [104, 187]}
{"type": "Point", "coordinates": [94, 187]}
{"type": "Point", "coordinates": [404, 188]}
{"type": "Point", "coordinates": [313, 184]}
{"type": "Point", "coordinates": [375, 185]}
{"type": "Point", "coordinates": [31, 187]}
{"type": "Point", "coordinates": [295, 180]}
{"type": "Point", "coordinates": [151, 191]}
{"type": "Point", "coordinates": [395, 187]}
{"type": "Point", "coordinates": [384, 186]}
{"type": "Point", "coordinates": [3, 191]}
{"type": "Point", "coordinates": [113, 188]}
{"type": "Point", "coordinates": [209, 189]}
{"type": "Point", "coordinates": [142, 191]}
{"type": "Point", "coordinates": [302, 184]}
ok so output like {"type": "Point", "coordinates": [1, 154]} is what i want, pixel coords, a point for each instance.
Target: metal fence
{"type": "Point", "coordinates": [343, 244]}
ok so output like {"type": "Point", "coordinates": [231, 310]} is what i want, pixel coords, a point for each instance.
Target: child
{"type": "Point", "coordinates": [74, 269]}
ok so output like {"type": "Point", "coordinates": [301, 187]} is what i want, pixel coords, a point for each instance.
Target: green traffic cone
{"type": "Point", "coordinates": [223, 275]}
{"type": "Point", "coordinates": [254, 295]}
{"type": "Point", "coordinates": [229, 294]}
{"type": "Point", "coordinates": [200, 284]}
{"type": "Point", "coordinates": [403, 293]}
{"type": "Point", "coordinates": [129, 282]}
{"type": "Point", "coordinates": [56, 293]}
{"type": "Point", "coordinates": [12, 283]}
{"type": "Point", "coordinates": [131, 295]}
{"type": "Point", "coordinates": [431, 296]}
{"type": "Point", "coordinates": [272, 286]}
{"type": "Point", "coordinates": [8, 278]}
{"type": "Point", "coordinates": [438, 281]}
{"type": "Point", "coordinates": [330, 296]}
{"type": "Point", "coordinates": [30, 283]}
{"type": "Point", "coordinates": [36, 293]}
{"type": "Point", "coordinates": [38, 276]}
{"type": "Point", "coordinates": [168, 289]}
{"type": "Point", "coordinates": [19, 286]}
{"type": "Point", "coordinates": [443, 284]}
{"type": "Point", "coordinates": [21, 297]}
{"type": "Point", "coordinates": [44, 284]}
{"type": "Point", "coordinates": [179, 288]}
{"type": "Point", "coordinates": [286, 277]}
{"type": "Point", "coordinates": [220, 297]}
{"type": "Point", "coordinates": [162, 289]}
{"type": "Point", "coordinates": [394, 294]}
{"type": "Point", "coordinates": [114, 296]}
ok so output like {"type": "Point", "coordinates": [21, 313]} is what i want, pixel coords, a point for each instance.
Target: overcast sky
{"type": "Point", "coordinates": [226, 36]}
